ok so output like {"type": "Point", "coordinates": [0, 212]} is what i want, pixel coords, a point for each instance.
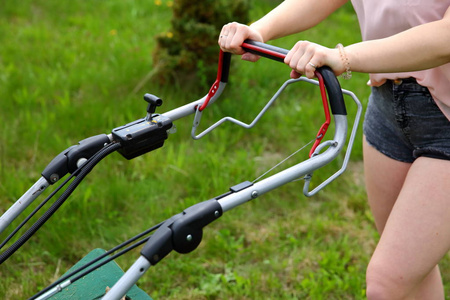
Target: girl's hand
{"type": "Point", "coordinates": [233, 35]}
{"type": "Point", "coordinates": [305, 57]}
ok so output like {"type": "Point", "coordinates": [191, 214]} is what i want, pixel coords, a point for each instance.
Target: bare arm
{"type": "Point", "coordinates": [419, 48]}
{"type": "Point", "coordinates": [291, 16]}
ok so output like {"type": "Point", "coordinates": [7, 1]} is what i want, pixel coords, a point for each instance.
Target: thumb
{"type": "Point", "coordinates": [250, 57]}
{"type": "Point", "coordinates": [295, 74]}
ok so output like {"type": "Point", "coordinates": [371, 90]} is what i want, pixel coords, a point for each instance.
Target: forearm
{"type": "Point", "coordinates": [419, 48]}
{"type": "Point", "coordinates": [293, 16]}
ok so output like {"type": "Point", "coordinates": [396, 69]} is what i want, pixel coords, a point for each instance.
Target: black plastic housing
{"type": "Point", "coordinates": [142, 136]}
{"type": "Point", "coordinates": [182, 232]}
{"type": "Point", "coordinates": [66, 161]}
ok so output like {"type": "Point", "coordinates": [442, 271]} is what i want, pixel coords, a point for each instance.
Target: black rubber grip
{"type": "Point", "coordinates": [334, 91]}
{"type": "Point", "coordinates": [265, 50]}
{"type": "Point", "coordinates": [226, 60]}
{"type": "Point", "coordinates": [332, 85]}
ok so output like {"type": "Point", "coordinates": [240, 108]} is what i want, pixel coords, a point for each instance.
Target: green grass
{"type": "Point", "coordinates": [74, 69]}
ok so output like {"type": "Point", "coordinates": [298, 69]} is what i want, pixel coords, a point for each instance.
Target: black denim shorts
{"type": "Point", "coordinates": [403, 122]}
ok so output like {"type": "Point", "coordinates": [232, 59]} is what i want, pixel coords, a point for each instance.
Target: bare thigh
{"type": "Point", "coordinates": [417, 233]}
{"type": "Point", "coordinates": [384, 179]}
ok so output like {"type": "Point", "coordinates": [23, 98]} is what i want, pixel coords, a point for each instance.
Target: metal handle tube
{"type": "Point", "coordinates": [190, 108]}
{"type": "Point", "coordinates": [20, 205]}
{"type": "Point", "coordinates": [128, 279]}
{"type": "Point", "coordinates": [292, 173]}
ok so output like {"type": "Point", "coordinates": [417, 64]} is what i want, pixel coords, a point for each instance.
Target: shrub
{"type": "Point", "coordinates": [188, 52]}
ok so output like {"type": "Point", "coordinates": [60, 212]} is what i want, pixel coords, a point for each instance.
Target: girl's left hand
{"type": "Point", "coordinates": [305, 57]}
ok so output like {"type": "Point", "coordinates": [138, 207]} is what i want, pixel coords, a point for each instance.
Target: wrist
{"type": "Point", "coordinates": [347, 73]}
{"type": "Point", "coordinates": [259, 29]}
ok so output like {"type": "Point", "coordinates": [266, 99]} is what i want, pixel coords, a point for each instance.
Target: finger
{"type": "Point", "coordinates": [229, 37]}
{"type": "Point", "coordinates": [250, 57]}
{"type": "Point", "coordinates": [233, 35]}
{"type": "Point", "coordinates": [294, 74]}
{"type": "Point", "coordinates": [307, 53]}
{"type": "Point", "coordinates": [297, 62]}
{"type": "Point", "coordinates": [288, 58]}
{"type": "Point", "coordinates": [305, 61]}
{"type": "Point", "coordinates": [296, 57]}
{"type": "Point", "coordinates": [310, 70]}
{"type": "Point", "coordinates": [241, 33]}
{"type": "Point", "coordinates": [318, 56]}
{"type": "Point", "coordinates": [222, 37]}
{"type": "Point", "coordinates": [225, 35]}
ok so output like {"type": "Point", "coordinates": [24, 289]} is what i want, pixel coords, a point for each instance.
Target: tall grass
{"type": "Point", "coordinates": [74, 69]}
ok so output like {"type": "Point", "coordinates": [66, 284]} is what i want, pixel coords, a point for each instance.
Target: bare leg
{"type": "Point", "coordinates": [384, 179]}
{"type": "Point", "coordinates": [410, 204]}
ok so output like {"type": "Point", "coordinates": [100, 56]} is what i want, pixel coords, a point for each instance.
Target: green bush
{"type": "Point", "coordinates": [188, 52]}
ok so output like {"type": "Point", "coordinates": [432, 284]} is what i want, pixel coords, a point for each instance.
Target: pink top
{"type": "Point", "coordinates": [382, 18]}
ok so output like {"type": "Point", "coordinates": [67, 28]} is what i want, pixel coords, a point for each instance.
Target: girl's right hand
{"type": "Point", "coordinates": [233, 35]}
